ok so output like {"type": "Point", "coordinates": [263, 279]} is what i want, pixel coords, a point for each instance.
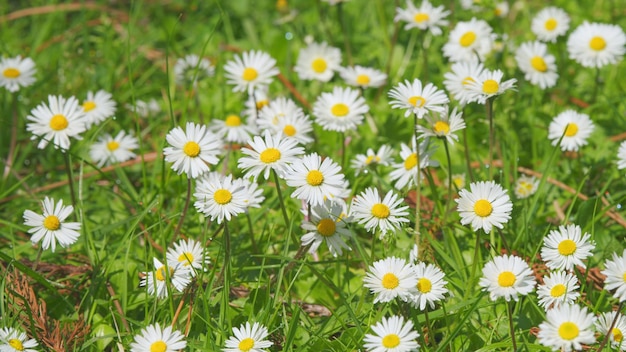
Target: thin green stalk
{"type": "Point", "coordinates": [184, 213]}
{"type": "Point", "coordinates": [610, 330]}
{"type": "Point", "coordinates": [281, 200]}
{"type": "Point", "coordinates": [417, 183]}
{"type": "Point", "coordinates": [226, 287]}
{"type": "Point", "coordinates": [511, 329]}
{"type": "Point", "coordinates": [492, 137]}
{"type": "Point", "coordinates": [251, 227]}
{"type": "Point", "coordinates": [36, 263]}
{"type": "Point", "coordinates": [9, 163]}
{"type": "Point", "coordinates": [70, 178]}
{"type": "Point", "coordinates": [449, 160]}
{"type": "Point", "coordinates": [476, 256]}
{"type": "Point", "coordinates": [344, 30]}
{"type": "Point", "coordinates": [427, 334]}
{"type": "Point", "coordinates": [343, 150]}
{"type": "Point", "coordinates": [467, 155]}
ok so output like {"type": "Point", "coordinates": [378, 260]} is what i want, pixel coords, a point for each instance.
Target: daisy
{"type": "Point", "coordinates": [507, 276]}
{"type": "Point", "coordinates": [296, 127]}
{"type": "Point", "coordinates": [566, 247]}
{"type": "Point", "coordinates": [442, 125]}
{"type": "Point", "coordinates": [426, 17]}
{"type": "Point", "coordinates": [269, 153]}
{"type": "Point", "coordinates": [566, 328]}
{"type": "Point", "coordinates": [248, 339]}
{"type": "Point", "coordinates": [372, 159]}
{"type": "Point", "coordinates": [392, 335]}
{"type": "Point", "coordinates": [458, 180]}
{"type": "Point", "coordinates": [416, 99]}
{"type": "Point", "coordinates": [574, 127]}
{"type": "Point", "coordinates": [17, 73]}
{"type": "Point", "coordinates": [158, 280]}
{"type": "Point", "coordinates": [458, 80]}
{"type": "Point", "coordinates": [430, 286]}
{"type": "Point", "coordinates": [275, 111]}
{"type": "Point", "coordinates": [152, 338]}
{"type": "Point", "coordinates": [596, 44]}
{"type": "Point", "coordinates": [502, 9]}
{"type": "Point", "coordinates": [538, 66]}
{"type": "Point", "coordinates": [56, 122]}
{"type": "Point", "coordinates": [253, 196]}
{"type": "Point", "coordinates": [559, 289]}
{"type": "Point", "coordinates": [111, 150]}
{"type": "Point", "coordinates": [255, 103]}
{"type": "Point", "coordinates": [315, 180]}
{"type": "Point", "coordinates": [13, 340]}
{"type": "Point", "coordinates": [253, 70]}
{"type": "Point", "coordinates": [603, 325]}
{"type": "Point", "coordinates": [233, 129]}
{"type": "Point", "coordinates": [390, 278]}
{"type": "Point", "coordinates": [326, 225]}
{"type": "Point", "coordinates": [318, 61]}
{"type": "Point", "coordinates": [615, 271]}
{"type": "Point", "coordinates": [51, 226]}
{"type": "Point", "coordinates": [550, 23]}
{"type": "Point", "coordinates": [188, 253]}
{"type": "Point", "coordinates": [485, 205]}
{"type": "Point", "coordinates": [219, 197]}
{"type": "Point", "coordinates": [469, 41]}
{"type": "Point", "coordinates": [192, 149]}
{"type": "Point", "coordinates": [525, 186]}
{"type": "Point", "coordinates": [489, 84]}
{"type": "Point", "coordinates": [621, 156]}
{"type": "Point", "coordinates": [98, 107]}
{"type": "Point", "coordinates": [384, 215]}
{"type": "Point", "coordinates": [192, 68]}
{"type": "Point", "coordinates": [145, 109]}
{"type": "Point", "coordinates": [405, 172]}
{"type": "Point", "coordinates": [363, 77]}
{"type": "Point", "coordinates": [341, 110]}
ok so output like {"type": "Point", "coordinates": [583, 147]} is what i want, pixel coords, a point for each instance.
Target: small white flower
{"type": "Point", "coordinates": [318, 61]}
{"type": "Point", "coordinates": [158, 280]}
{"type": "Point", "coordinates": [327, 225]}
{"type": "Point", "coordinates": [559, 289]}
{"type": "Point", "coordinates": [17, 73]}
{"type": "Point", "coordinates": [192, 149]}
{"type": "Point", "coordinates": [341, 110]}
{"type": "Point", "coordinates": [144, 109]}
{"type": "Point", "coordinates": [550, 23]}
{"type": "Point", "coordinates": [458, 80]}
{"type": "Point", "coordinates": [269, 153]}
{"type": "Point", "coordinates": [615, 271]}
{"type": "Point", "coordinates": [153, 338]}
{"type": "Point", "coordinates": [220, 197]}
{"type": "Point", "coordinates": [538, 66]}
{"type": "Point", "coordinates": [364, 77]}
{"type": "Point", "coordinates": [574, 127]}
{"type": "Point", "coordinates": [469, 41]}
{"type": "Point", "coordinates": [192, 68]}
{"type": "Point", "coordinates": [566, 247]}
{"type": "Point", "coordinates": [604, 323]}
{"type": "Point", "coordinates": [296, 127]}
{"type": "Point", "coordinates": [502, 9]}
{"type": "Point", "coordinates": [111, 150]}
{"type": "Point", "coordinates": [507, 276]}
{"type": "Point", "coordinates": [596, 44]}
{"type": "Point", "coordinates": [426, 17]}
{"type": "Point", "coordinates": [56, 122]}
{"type": "Point", "coordinates": [566, 328]}
{"type": "Point", "coordinates": [253, 196]}
{"type": "Point", "coordinates": [525, 186]}
{"type": "Point", "coordinates": [430, 287]}
{"type": "Point", "coordinates": [248, 339]}
{"type": "Point", "coordinates": [233, 129]}
{"type": "Point", "coordinates": [484, 206]}
{"type": "Point", "coordinates": [255, 103]}
{"type": "Point", "coordinates": [13, 340]}
{"type": "Point", "coordinates": [250, 71]}
{"type": "Point", "coordinates": [405, 172]}
{"type": "Point", "coordinates": [417, 99]}
{"type": "Point", "coordinates": [489, 84]}
{"type": "Point", "coordinates": [442, 125]}
{"type": "Point", "coordinates": [315, 179]}
{"type": "Point", "coordinates": [621, 156]}
{"type": "Point", "coordinates": [277, 109]}
{"type": "Point", "coordinates": [390, 278]}
{"type": "Point", "coordinates": [51, 226]}
{"type": "Point", "coordinates": [98, 107]}
{"type": "Point", "coordinates": [379, 214]}
{"type": "Point", "coordinates": [372, 159]}
{"type": "Point", "coordinates": [188, 253]}
{"type": "Point", "coordinates": [392, 335]}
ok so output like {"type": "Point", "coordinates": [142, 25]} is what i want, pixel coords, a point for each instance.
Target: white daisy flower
{"type": "Point", "coordinates": [566, 247]}
{"type": "Point", "coordinates": [277, 109]}
{"type": "Point", "coordinates": [56, 122]}
{"type": "Point", "coordinates": [458, 80]}
{"type": "Point", "coordinates": [417, 99]}
{"type": "Point", "coordinates": [559, 288]}
{"type": "Point", "coordinates": [458, 181]}
{"type": "Point", "coordinates": [188, 253]}
{"type": "Point", "coordinates": [502, 9]}
{"type": "Point", "coordinates": [405, 172]}
{"type": "Point", "coordinates": [469, 41]}
{"type": "Point", "coordinates": [392, 335]}
{"type": "Point", "coordinates": [390, 278]}
{"type": "Point", "coordinates": [507, 276]}
{"type": "Point", "coordinates": [255, 103]}
{"type": "Point", "coordinates": [192, 68]}
{"type": "Point", "coordinates": [574, 127]}
{"type": "Point", "coordinates": [318, 61]}
{"type": "Point", "coordinates": [248, 339]}
{"type": "Point", "coordinates": [192, 150]}
{"type": "Point", "coordinates": [111, 150]}
{"type": "Point", "coordinates": [414, 254]}
{"type": "Point", "coordinates": [327, 225]}
{"type": "Point", "coordinates": [232, 129]}
{"type": "Point", "coordinates": [297, 127]}
{"type": "Point", "coordinates": [375, 213]}
{"type": "Point", "coordinates": [153, 338]}
{"type": "Point", "coordinates": [430, 287]}
{"type": "Point", "coordinates": [489, 84]}
{"type": "Point", "coordinates": [219, 197]}
{"type": "Point", "coordinates": [525, 186]}
{"type": "Point", "coordinates": [615, 271]}
{"type": "Point", "coordinates": [363, 77]}
{"type": "Point", "coordinates": [596, 44]}
{"type": "Point", "coordinates": [603, 325]}
{"type": "Point", "coordinates": [253, 195]}
{"type": "Point", "coordinates": [13, 340]}
{"type": "Point", "coordinates": [144, 108]}
{"type": "Point", "coordinates": [51, 226]}
{"type": "Point", "coordinates": [371, 159]}
{"type": "Point", "coordinates": [250, 71]}
{"type": "Point", "coordinates": [158, 280]}
{"type": "Point", "coordinates": [566, 328]}
{"type": "Point", "coordinates": [341, 110]}
{"type": "Point", "coordinates": [426, 17]}
{"type": "Point", "coordinates": [98, 107]}
{"type": "Point", "coordinates": [538, 66]}
{"type": "Point", "coordinates": [485, 205]}
{"type": "Point", "coordinates": [471, 5]}
{"type": "Point", "coordinates": [315, 180]}
{"type": "Point", "coordinates": [442, 125]}
{"type": "Point", "coordinates": [17, 73]}
{"type": "Point", "coordinates": [550, 23]}
{"type": "Point", "coordinates": [269, 153]}
{"type": "Point", "coordinates": [621, 156]}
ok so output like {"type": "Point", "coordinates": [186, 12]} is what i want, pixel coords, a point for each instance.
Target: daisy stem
{"type": "Point", "coordinates": [595, 87]}
{"type": "Point", "coordinates": [344, 30]}
{"type": "Point", "coordinates": [417, 183]}
{"type": "Point", "coordinates": [476, 256]}
{"type": "Point", "coordinates": [9, 163]}
{"type": "Point", "coordinates": [450, 185]}
{"type": "Point", "coordinates": [254, 246]}
{"type": "Point", "coordinates": [606, 337]}
{"type": "Point", "coordinates": [343, 150]}
{"type": "Point", "coordinates": [467, 155]}
{"type": "Point", "coordinates": [226, 271]}
{"type": "Point", "coordinates": [489, 107]}
{"type": "Point", "coordinates": [256, 110]}
{"type": "Point", "coordinates": [36, 263]}
{"type": "Point", "coordinates": [427, 336]}
{"type": "Point", "coordinates": [70, 179]}
{"type": "Point", "coordinates": [184, 213]}
{"type": "Point", "coordinates": [280, 199]}
{"type": "Point", "coordinates": [510, 313]}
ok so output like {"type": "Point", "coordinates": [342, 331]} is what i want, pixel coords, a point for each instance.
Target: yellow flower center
{"type": "Point", "coordinates": [597, 43]}
{"type": "Point", "coordinates": [233, 121]}
{"type": "Point", "coordinates": [191, 149]}
{"type": "Point", "coordinates": [483, 208]}
{"type": "Point", "coordinates": [571, 129]}
{"type": "Point", "coordinates": [326, 227]}
{"type": "Point", "coordinates": [467, 39]}
{"type": "Point", "coordinates": [289, 130]}
{"type": "Point", "coordinates": [113, 145]}
{"type": "Point", "coordinates": [417, 101]}
{"type": "Point", "coordinates": [319, 65]}
{"type": "Point", "coordinates": [11, 72]}
{"type": "Point", "coordinates": [17, 344]}
{"type": "Point", "coordinates": [270, 155]}
{"type": "Point", "coordinates": [617, 335]}
{"type": "Point", "coordinates": [315, 178]}
{"type": "Point", "coordinates": [391, 341]}
{"type": "Point", "coordinates": [249, 74]}
{"type": "Point", "coordinates": [410, 162]}
{"type": "Point", "coordinates": [58, 122]}
{"type": "Point", "coordinates": [340, 109]}
{"type": "Point", "coordinates": [88, 106]}
{"type": "Point", "coordinates": [262, 103]}
{"type": "Point", "coordinates": [51, 222]}
{"type": "Point", "coordinates": [372, 159]}
{"type": "Point", "coordinates": [468, 80]}
{"type": "Point", "coordinates": [222, 196]}
{"type": "Point", "coordinates": [160, 273]}
{"type": "Point", "coordinates": [506, 279]}
{"type": "Point", "coordinates": [390, 281]}
{"type": "Point", "coordinates": [624, 276]}
{"type": "Point", "coordinates": [424, 285]}
{"type": "Point", "coordinates": [158, 346]}
{"type": "Point", "coordinates": [441, 128]}
{"type": "Point", "coordinates": [421, 17]}
{"type": "Point", "coordinates": [246, 344]}
{"type": "Point", "coordinates": [568, 331]}
{"type": "Point", "coordinates": [558, 290]}
{"type": "Point", "coordinates": [490, 86]}
{"type": "Point", "coordinates": [550, 24]}
{"type": "Point", "coordinates": [186, 258]}
{"type": "Point", "coordinates": [380, 211]}
{"type": "Point", "coordinates": [539, 64]}
{"type": "Point", "coordinates": [567, 247]}
{"type": "Point", "coordinates": [362, 80]}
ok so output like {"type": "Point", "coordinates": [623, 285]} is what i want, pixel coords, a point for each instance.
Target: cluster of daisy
{"type": "Point", "coordinates": [14, 340]}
